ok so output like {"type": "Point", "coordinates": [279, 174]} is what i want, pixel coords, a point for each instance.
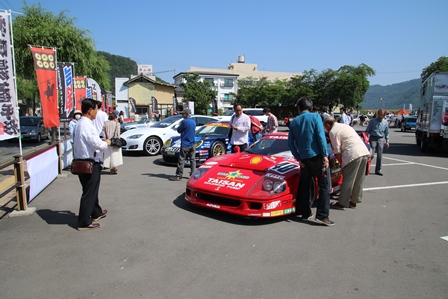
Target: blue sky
{"type": "Point", "coordinates": [397, 38]}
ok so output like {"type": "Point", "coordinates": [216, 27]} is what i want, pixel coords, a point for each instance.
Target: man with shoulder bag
{"type": "Point", "coordinates": [86, 142]}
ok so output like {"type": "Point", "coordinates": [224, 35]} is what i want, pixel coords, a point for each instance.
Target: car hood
{"type": "Point", "coordinates": [242, 171]}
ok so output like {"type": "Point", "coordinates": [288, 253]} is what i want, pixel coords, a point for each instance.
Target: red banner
{"type": "Point", "coordinates": [45, 65]}
{"type": "Point", "coordinates": [80, 90]}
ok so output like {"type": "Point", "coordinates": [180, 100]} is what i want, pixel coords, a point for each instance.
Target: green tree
{"type": "Point", "coordinates": [352, 84]}
{"type": "Point", "coordinates": [120, 66]}
{"type": "Point", "coordinates": [199, 92]}
{"type": "Point", "coordinates": [42, 28]}
{"type": "Point", "coordinates": [440, 65]}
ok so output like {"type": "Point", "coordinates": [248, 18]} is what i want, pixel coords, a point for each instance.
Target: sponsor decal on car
{"type": "Point", "coordinates": [272, 205]}
{"type": "Point", "coordinates": [211, 205]}
{"type": "Point", "coordinates": [256, 160]}
{"type": "Point", "coordinates": [270, 159]}
{"type": "Point", "coordinates": [284, 167]}
{"type": "Point", "coordinates": [277, 213]}
{"type": "Point", "coordinates": [254, 215]}
{"type": "Point", "coordinates": [211, 163]}
{"type": "Point", "coordinates": [231, 175]}
{"type": "Point", "coordinates": [225, 125]}
{"type": "Point", "coordinates": [275, 176]}
{"type": "Point", "coordinates": [244, 157]}
{"type": "Point", "coordinates": [224, 183]}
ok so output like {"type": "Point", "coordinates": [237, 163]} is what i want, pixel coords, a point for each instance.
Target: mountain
{"type": "Point", "coordinates": [393, 96]}
{"type": "Point", "coordinates": [121, 66]}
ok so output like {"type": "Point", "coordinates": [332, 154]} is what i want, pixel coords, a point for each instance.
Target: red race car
{"type": "Point", "coordinates": [260, 182]}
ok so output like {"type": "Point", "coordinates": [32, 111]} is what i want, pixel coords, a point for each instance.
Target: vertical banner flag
{"type": "Point", "coordinates": [175, 104]}
{"type": "Point", "coordinates": [9, 112]}
{"type": "Point", "coordinates": [215, 105]}
{"type": "Point", "coordinates": [80, 91]}
{"type": "Point", "coordinates": [66, 90]}
{"type": "Point", "coordinates": [133, 104]}
{"type": "Point", "coordinates": [45, 65]}
{"type": "Point", "coordinates": [94, 89]}
{"type": "Point", "coordinates": [155, 106]}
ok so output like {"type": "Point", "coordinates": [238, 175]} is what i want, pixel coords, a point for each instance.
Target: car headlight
{"type": "Point", "coordinates": [33, 132]}
{"type": "Point", "coordinates": [279, 186]}
{"type": "Point", "coordinates": [167, 143]}
{"type": "Point", "coordinates": [135, 136]}
{"type": "Point", "coordinates": [267, 185]}
{"type": "Point", "coordinates": [198, 144]}
{"type": "Point", "coordinates": [199, 172]}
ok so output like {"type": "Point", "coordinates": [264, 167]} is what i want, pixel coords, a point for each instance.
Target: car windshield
{"type": "Point", "coordinates": [29, 121]}
{"type": "Point", "coordinates": [230, 113]}
{"type": "Point", "coordinates": [167, 121]}
{"type": "Point", "coordinates": [411, 119]}
{"type": "Point", "coordinates": [144, 120]}
{"type": "Point", "coordinates": [213, 129]}
{"type": "Point", "coordinates": [270, 145]}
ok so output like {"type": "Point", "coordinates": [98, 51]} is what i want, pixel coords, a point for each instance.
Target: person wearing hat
{"type": "Point", "coordinates": [186, 129]}
{"type": "Point", "coordinates": [72, 125]}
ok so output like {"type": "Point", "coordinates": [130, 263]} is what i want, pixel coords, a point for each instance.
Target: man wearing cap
{"type": "Point", "coordinates": [72, 125]}
{"type": "Point", "coordinates": [186, 129]}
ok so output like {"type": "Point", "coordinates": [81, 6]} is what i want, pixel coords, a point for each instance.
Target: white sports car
{"type": "Point", "coordinates": [149, 140]}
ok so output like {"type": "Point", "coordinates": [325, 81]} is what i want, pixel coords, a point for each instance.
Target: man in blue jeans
{"type": "Point", "coordinates": [308, 144]}
{"type": "Point", "coordinates": [186, 129]}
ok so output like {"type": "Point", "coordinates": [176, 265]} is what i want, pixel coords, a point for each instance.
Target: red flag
{"type": "Point", "coordinates": [80, 91]}
{"type": "Point", "coordinates": [45, 65]}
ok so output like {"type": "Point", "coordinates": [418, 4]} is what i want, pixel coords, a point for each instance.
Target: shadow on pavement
{"type": "Point", "coordinates": [59, 217]}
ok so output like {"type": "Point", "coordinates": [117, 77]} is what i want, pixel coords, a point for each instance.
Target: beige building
{"type": "Point", "coordinates": [142, 89]}
{"type": "Point", "coordinates": [246, 70]}
{"type": "Point", "coordinates": [225, 81]}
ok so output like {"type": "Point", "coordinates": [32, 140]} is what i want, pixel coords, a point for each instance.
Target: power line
{"type": "Point", "coordinates": [12, 7]}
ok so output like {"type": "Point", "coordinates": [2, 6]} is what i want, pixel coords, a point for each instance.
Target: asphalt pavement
{"type": "Point", "coordinates": [153, 245]}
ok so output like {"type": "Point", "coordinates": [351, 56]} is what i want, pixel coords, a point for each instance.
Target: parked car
{"type": "Point", "coordinates": [32, 128]}
{"type": "Point", "coordinates": [261, 182]}
{"type": "Point", "coordinates": [257, 112]}
{"type": "Point", "coordinates": [211, 140]}
{"type": "Point", "coordinates": [143, 122]}
{"type": "Point", "coordinates": [149, 140]}
{"type": "Point", "coordinates": [409, 123]}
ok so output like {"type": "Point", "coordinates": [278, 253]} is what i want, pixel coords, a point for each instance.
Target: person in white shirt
{"type": "Point", "coordinates": [101, 117]}
{"type": "Point", "coordinates": [345, 119]}
{"type": "Point", "coordinates": [239, 127]}
{"type": "Point", "coordinates": [86, 142]}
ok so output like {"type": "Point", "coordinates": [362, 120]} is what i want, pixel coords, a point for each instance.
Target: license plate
{"type": "Point", "coordinates": [170, 153]}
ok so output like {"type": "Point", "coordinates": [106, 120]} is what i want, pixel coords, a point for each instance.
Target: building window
{"type": "Point", "coordinates": [142, 110]}
{"type": "Point", "coordinates": [228, 97]}
{"type": "Point", "coordinates": [209, 80]}
{"type": "Point", "coordinates": [228, 82]}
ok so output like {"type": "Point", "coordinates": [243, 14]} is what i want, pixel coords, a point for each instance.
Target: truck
{"type": "Point", "coordinates": [432, 119]}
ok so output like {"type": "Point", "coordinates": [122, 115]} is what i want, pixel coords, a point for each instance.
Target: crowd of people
{"type": "Point", "coordinates": [92, 130]}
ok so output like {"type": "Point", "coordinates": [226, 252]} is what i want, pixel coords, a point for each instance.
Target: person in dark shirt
{"type": "Point", "coordinates": [186, 129]}
{"type": "Point", "coordinates": [308, 144]}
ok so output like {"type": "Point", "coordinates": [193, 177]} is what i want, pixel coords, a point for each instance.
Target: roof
{"type": "Point", "coordinates": [143, 78]}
